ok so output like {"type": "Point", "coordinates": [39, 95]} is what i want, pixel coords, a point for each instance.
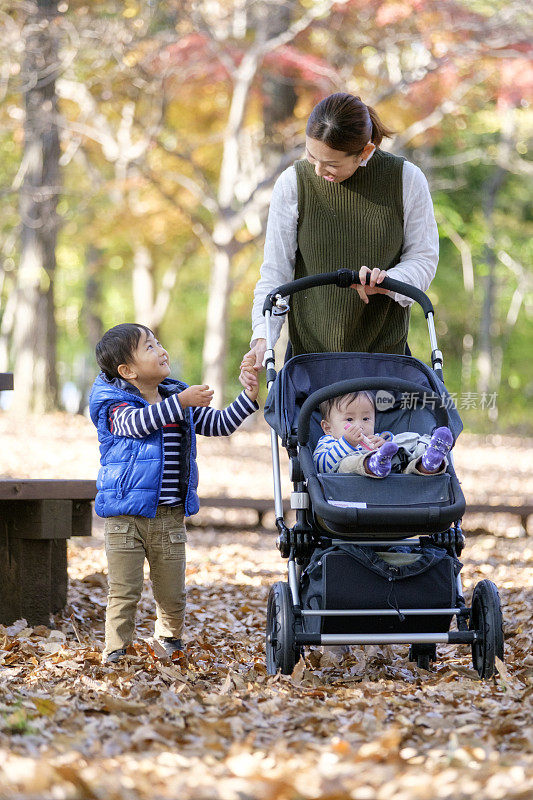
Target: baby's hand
{"type": "Point", "coordinates": [196, 396]}
{"type": "Point", "coordinates": [376, 441]}
{"type": "Point", "coordinates": [353, 434]}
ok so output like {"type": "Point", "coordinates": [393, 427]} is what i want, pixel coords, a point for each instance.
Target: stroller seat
{"type": "Point", "coordinates": [354, 505]}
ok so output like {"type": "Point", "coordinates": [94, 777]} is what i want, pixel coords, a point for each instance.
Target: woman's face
{"type": "Point", "coordinates": [333, 165]}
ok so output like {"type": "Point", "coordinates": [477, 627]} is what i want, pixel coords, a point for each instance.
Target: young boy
{"type": "Point", "coordinates": [351, 446]}
{"type": "Point", "coordinates": [148, 478]}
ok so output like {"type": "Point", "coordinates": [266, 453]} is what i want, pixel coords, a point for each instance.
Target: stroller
{"type": "Point", "coordinates": [369, 561]}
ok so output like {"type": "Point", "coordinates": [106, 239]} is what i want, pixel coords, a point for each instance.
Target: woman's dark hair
{"type": "Point", "coordinates": [345, 123]}
{"type": "Point", "coordinates": [117, 346]}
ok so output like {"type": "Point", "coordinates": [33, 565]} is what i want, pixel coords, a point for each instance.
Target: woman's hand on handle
{"type": "Point", "coordinates": [370, 280]}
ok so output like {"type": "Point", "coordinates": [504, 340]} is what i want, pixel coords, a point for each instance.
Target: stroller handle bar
{"type": "Point", "coordinates": [344, 278]}
{"type": "Point", "coordinates": [361, 384]}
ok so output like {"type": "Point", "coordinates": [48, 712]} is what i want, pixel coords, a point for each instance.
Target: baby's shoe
{"type": "Point", "coordinates": [379, 463]}
{"type": "Point", "coordinates": [438, 448]}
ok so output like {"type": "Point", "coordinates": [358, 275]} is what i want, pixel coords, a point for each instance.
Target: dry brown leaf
{"type": "Point", "coordinates": [119, 705]}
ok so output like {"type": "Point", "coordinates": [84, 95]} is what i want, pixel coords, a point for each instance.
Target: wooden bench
{"type": "Point", "coordinates": [260, 505]}
{"type": "Point", "coordinates": [38, 516]}
{"type": "Point", "coordinates": [524, 511]}
{"type": "Point", "coordinates": [6, 381]}
{"type": "Point", "coordinates": [36, 519]}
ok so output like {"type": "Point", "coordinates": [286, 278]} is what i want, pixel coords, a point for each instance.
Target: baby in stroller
{"type": "Point", "coordinates": [349, 444]}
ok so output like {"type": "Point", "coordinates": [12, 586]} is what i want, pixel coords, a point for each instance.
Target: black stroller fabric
{"type": "Point", "coordinates": [304, 374]}
{"type": "Point", "coordinates": [351, 577]}
{"type": "Point", "coordinates": [352, 505]}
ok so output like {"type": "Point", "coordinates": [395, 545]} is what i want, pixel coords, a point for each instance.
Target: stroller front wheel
{"type": "Point", "coordinates": [486, 619]}
{"type": "Point", "coordinates": [281, 650]}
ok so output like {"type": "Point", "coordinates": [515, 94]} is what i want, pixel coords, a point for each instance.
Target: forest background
{"type": "Point", "coordinates": [139, 143]}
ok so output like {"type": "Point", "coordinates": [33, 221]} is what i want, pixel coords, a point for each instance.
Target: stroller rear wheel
{"type": "Point", "coordinates": [281, 650]}
{"type": "Point", "coordinates": [486, 619]}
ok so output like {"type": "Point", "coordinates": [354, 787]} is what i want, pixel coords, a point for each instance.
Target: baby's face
{"type": "Point", "coordinates": [360, 412]}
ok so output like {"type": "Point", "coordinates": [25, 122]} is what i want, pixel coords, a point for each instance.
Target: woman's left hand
{"type": "Point", "coordinates": [369, 279]}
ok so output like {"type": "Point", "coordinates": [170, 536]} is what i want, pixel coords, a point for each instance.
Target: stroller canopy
{"type": "Point", "coordinates": [396, 411]}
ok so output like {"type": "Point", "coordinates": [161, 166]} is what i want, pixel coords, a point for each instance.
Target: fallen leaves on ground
{"type": "Point", "coordinates": [211, 725]}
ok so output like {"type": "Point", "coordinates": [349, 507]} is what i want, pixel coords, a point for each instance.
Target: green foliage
{"type": "Point", "coordinates": [507, 233]}
{"type": "Point", "coordinates": [147, 118]}
{"type": "Point", "coordinates": [17, 719]}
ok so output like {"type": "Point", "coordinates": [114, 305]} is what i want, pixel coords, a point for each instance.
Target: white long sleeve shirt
{"type": "Point", "coordinates": [417, 265]}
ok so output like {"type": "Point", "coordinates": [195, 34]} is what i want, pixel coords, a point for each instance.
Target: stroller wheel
{"type": "Point", "coordinates": [423, 654]}
{"type": "Point", "coordinates": [486, 619]}
{"type": "Point", "coordinates": [281, 651]}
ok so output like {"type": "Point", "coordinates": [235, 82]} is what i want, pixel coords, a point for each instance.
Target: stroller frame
{"type": "Point", "coordinates": [479, 625]}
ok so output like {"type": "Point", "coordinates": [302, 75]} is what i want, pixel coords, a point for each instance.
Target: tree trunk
{"type": "Point", "coordinates": [216, 329]}
{"type": "Point", "coordinates": [34, 332]}
{"type": "Point", "coordinates": [279, 102]}
{"type": "Point", "coordinates": [215, 342]}
{"type": "Point", "coordinates": [488, 372]}
{"type": "Point", "coordinates": [143, 286]}
{"type": "Point", "coordinates": [279, 94]}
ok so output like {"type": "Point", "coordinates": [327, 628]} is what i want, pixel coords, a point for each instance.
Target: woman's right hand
{"type": "Point", "coordinates": [375, 276]}
{"type": "Point", "coordinates": [257, 351]}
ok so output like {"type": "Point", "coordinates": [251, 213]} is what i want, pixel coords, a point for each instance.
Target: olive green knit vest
{"type": "Point", "coordinates": [350, 224]}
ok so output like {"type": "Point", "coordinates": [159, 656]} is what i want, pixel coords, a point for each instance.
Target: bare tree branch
{"type": "Point", "coordinates": [463, 247]}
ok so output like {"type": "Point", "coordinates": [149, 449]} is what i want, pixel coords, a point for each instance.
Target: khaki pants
{"type": "Point", "coordinates": [128, 541]}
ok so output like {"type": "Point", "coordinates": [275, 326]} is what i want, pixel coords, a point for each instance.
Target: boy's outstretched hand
{"type": "Point", "coordinates": [196, 396]}
{"type": "Point", "coordinates": [249, 377]}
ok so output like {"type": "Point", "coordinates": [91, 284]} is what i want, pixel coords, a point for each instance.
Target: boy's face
{"type": "Point", "coordinates": [149, 363]}
{"type": "Point", "coordinates": [360, 412]}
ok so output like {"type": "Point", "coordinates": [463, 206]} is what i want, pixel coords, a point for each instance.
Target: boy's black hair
{"type": "Point", "coordinates": [341, 400]}
{"type": "Point", "coordinates": [117, 346]}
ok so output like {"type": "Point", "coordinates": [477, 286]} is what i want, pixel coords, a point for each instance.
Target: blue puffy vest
{"type": "Point", "coordinates": [129, 480]}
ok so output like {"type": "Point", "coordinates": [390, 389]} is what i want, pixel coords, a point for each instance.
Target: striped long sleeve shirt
{"type": "Point", "coordinates": [126, 420]}
{"type": "Point", "coordinates": [329, 452]}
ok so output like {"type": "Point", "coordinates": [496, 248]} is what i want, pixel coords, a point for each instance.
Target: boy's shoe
{"type": "Point", "coordinates": [379, 463]}
{"type": "Point", "coordinates": [114, 656]}
{"type": "Point", "coordinates": [170, 644]}
{"type": "Point", "coordinates": [438, 448]}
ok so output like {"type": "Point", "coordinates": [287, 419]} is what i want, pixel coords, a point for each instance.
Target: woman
{"type": "Point", "coordinates": [347, 204]}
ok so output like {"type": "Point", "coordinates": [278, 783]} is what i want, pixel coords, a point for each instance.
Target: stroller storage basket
{"type": "Point", "coordinates": [347, 576]}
